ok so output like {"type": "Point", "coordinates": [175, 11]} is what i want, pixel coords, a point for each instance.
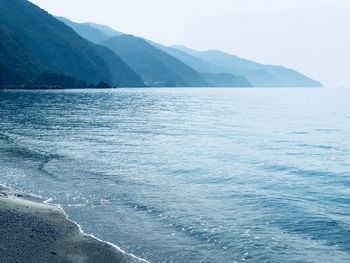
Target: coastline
{"type": "Point", "coordinates": [37, 232]}
{"type": "Point", "coordinates": [50, 87]}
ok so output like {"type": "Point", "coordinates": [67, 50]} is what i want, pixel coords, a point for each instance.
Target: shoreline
{"type": "Point", "coordinates": [48, 87]}
{"type": "Point", "coordinates": [37, 232]}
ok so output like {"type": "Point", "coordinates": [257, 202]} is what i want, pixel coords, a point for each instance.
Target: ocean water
{"type": "Point", "coordinates": [189, 175]}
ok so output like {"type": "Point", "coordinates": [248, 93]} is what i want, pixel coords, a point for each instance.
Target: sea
{"type": "Point", "coordinates": [189, 175]}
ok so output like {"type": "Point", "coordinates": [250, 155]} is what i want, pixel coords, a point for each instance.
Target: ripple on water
{"type": "Point", "coordinates": [189, 175]}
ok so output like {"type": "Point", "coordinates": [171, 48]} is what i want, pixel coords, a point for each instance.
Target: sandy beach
{"type": "Point", "coordinates": [36, 232]}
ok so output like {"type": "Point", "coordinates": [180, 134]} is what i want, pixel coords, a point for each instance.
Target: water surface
{"type": "Point", "coordinates": [190, 175]}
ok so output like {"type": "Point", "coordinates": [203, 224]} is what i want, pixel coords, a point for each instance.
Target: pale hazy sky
{"type": "Point", "coordinates": [312, 36]}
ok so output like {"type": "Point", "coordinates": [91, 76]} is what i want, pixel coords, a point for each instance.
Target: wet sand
{"type": "Point", "coordinates": [36, 232]}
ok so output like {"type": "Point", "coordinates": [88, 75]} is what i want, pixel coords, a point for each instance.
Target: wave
{"type": "Point", "coordinates": [333, 176]}
{"type": "Point", "coordinates": [100, 240]}
{"type": "Point", "coordinates": [13, 150]}
{"type": "Point", "coordinates": [7, 191]}
{"type": "Point", "coordinates": [297, 219]}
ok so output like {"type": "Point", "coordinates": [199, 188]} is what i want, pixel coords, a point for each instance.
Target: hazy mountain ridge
{"type": "Point", "coordinates": [93, 32]}
{"type": "Point", "coordinates": [155, 71]}
{"type": "Point", "coordinates": [34, 42]}
{"type": "Point", "coordinates": [258, 74]}
{"type": "Point", "coordinates": [210, 72]}
{"type": "Point", "coordinates": [157, 68]}
{"type": "Point", "coordinates": [210, 65]}
{"type": "Point", "coordinates": [86, 31]}
{"type": "Point", "coordinates": [226, 80]}
{"type": "Point", "coordinates": [108, 31]}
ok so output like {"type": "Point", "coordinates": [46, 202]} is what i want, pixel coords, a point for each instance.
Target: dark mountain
{"type": "Point", "coordinates": [90, 32]}
{"type": "Point", "coordinates": [59, 80]}
{"type": "Point", "coordinates": [156, 67]}
{"type": "Point", "coordinates": [40, 39]}
{"type": "Point", "coordinates": [16, 65]}
{"type": "Point", "coordinates": [257, 74]}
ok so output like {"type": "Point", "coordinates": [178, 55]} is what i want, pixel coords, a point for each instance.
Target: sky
{"type": "Point", "coordinates": [311, 36]}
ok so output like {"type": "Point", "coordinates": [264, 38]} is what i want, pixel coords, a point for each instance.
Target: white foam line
{"type": "Point", "coordinates": [100, 240]}
{"type": "Point", "coordinates": [46, 202]}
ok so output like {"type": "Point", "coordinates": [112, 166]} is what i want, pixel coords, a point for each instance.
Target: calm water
{"type": "Point", "coordinates": [190, 175]}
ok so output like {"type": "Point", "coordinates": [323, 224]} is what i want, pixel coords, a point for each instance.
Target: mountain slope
{"type": "Point", "coordinates": [93, 32]}
{"type": "Point", "coordinates": [257, 74]}
{"type": "Point", "coordinates": [210, 72]}
{"type": "Point", "coordinates": [16, 65]}
{"type": "Point", "coordinates": [225, 80]}
{"type": "Point", "coordinates": [157, 68]}
{"type": "Point", "coordinates": [56, 47]}
{"type": "Point", "coordinates": [98, 34]}
{"type": "Point", "coordinates": [108, 31]}
{"type": "Point", "coordinates": [216, 68]}
{"type": "Point", "coordinates": [86, 31]}
{"type": "Point", "coordinates": [121, 74]}
{"type": "Point", "coordinates": [53, 45]}
{"type": "Point", "coordinates": [193, 61]}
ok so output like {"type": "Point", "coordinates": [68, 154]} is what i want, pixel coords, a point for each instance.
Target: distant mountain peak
{"type": "Point", "coordinates": [108, 31]}
{"type": "Point", "coordinates": [259, 75]}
